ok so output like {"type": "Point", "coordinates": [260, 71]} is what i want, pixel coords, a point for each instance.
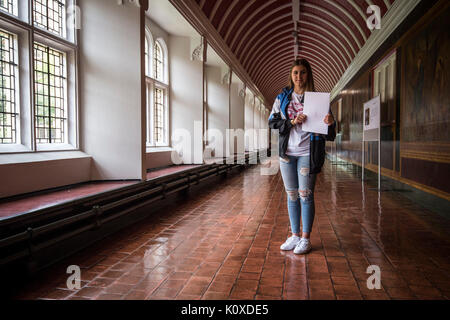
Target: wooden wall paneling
{"type": "Point", "coordinates": [425, 99]}
{"type": "Point", "coordinates": [397, 111]}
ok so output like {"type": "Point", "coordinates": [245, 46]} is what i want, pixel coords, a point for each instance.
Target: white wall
{"type": "Point", "coordinates": [23, 173]}
{"type": "Point", "coordinates": [256, 123]}
{"type": "Point", "coordinates": [264, 125]}
{"type": "Point", "coordinates": [110, 87]}
{"type": "Point", "coordinates": [217, 108]}
{"type": "Point", "coordinates": [248, 118]}
{"type": "Point", "coordinates": [237, 118]}
{"type": "Point", "coordinates": [157, 31]}
{"type": "Point", "coordinates": [159, 158]}
{"type": "Point", "coordinates": [186, 103]}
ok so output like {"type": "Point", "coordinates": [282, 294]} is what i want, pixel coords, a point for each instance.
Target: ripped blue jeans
{"type": "Point", "coordinates": [299, 186]}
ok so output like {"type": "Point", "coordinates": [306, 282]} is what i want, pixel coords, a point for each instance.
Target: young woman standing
{"type": "Point", "coordinates": [302, 154]}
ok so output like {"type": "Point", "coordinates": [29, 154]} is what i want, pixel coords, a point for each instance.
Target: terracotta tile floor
{"type": "Point", "coordinates": [223, 243]}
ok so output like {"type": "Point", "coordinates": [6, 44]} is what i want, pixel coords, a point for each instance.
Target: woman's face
{"type": "Point", "coordinates": [299, 76]}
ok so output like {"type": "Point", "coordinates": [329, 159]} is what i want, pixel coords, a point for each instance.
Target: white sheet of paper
{"type": "Point", "coordinates": [372, 110]}
{"type": "Point", "coordinates": [316, 107]}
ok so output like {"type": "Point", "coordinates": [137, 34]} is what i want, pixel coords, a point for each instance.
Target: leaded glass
{"type": "Point", "coordinates": [8, 73]}
{"type": "Point", "coordinates": [50, 84]}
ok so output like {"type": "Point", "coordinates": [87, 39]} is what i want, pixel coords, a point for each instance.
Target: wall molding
{"type": "Point", "coordinates": [429, 151]}
{"type": "Point", "coordinates": [197, 53]}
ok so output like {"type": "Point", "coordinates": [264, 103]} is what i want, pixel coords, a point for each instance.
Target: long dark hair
{"type": "Point", "coordinates": [309, 81]}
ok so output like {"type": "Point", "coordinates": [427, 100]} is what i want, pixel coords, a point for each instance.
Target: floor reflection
{"type": "Point", "coordinates": [224, 243]}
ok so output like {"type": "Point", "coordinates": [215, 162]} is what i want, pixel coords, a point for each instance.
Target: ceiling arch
{"type": "Point", "coordinates": [260, 35]}
{"type": "Point", "coordinates": [270, 60]}
{"type": "Point", "coordinates": [284, 37]}
{"type": "Point", "coordinates": [226, 14]}
{"type": "Point", "coordinates": [263, 20]}
{"type": "Point", "coordinates": [270, 28]}
{"type": "Point", "coordinates": [307, 33]}
{"type": "Point", "coordinates": [247, 19]}
{"type": "Point", "coordinates": [349, 16]}
{"type": "Point", "coordinates": [286, 59]}
{"type": "Point", "coordinates": [334, 17]}
{"type": "Point", "coordinates": [288, 55]}
{"type": "Point", "coordinates": [332, 31]}
{"type": "Point", "coordinates": [276, 50]}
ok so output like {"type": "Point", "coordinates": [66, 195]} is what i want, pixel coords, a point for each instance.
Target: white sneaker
{"type": "Point", "coordinates": [303, 246]}
{"type": "Point", "coordinates": [290, 243]}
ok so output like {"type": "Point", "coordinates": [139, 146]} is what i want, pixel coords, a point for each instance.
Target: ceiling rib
{"type": "Point", "coordinates": [270, 54]}
{"type": "Point", "coordinates": [261, 20]}
{"type": "Point", "coordinates": [274, 67]}
{"type": "Point", "coordinates": [258, 36]}
{"type": "Point", "coordinates": [280, 54]}
{"type": "Point", "coordinates": [226, 14]}
{"type": "Point", "coordinates": [328, 13]}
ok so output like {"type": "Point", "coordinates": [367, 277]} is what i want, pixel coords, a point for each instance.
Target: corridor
{"type": "Point", "coordinates": [135, 135]}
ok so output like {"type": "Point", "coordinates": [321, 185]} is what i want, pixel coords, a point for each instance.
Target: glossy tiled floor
{"type": "Point", "coordinates": [223, 243]}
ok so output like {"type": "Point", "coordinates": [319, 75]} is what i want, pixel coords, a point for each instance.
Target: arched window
{"type": "Point", "coordinates": [156, 55]}
{"type": "Point", "coordinates": [158, 62]}
{"type": "Point", "coordinates": [148, 52]}
{"type": "Point", "coordinates": [146, 55]}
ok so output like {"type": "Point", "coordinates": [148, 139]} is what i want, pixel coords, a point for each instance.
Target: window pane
{"type": "Point", "coordinates": [50, 15]}
{"type": "Point", "coordinates": [159, 75]}
{"type": "Point", "coordinates": [9, 6]}
{"type": "Point", "coordinates": [158, 120]}
{"type": "Point", "coordinates": [146, 57]}
{"type": "Point", "coordinates": [8, 74]}
{"type": "Point", "coordinates": [50, 86]}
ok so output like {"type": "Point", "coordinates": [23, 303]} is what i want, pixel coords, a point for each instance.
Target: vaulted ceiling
{"type": "Point", "coordinates": [260, 35]}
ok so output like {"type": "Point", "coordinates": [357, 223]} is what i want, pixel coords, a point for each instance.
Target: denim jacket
{"type": "Point", "coordinates": [278, 119]}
